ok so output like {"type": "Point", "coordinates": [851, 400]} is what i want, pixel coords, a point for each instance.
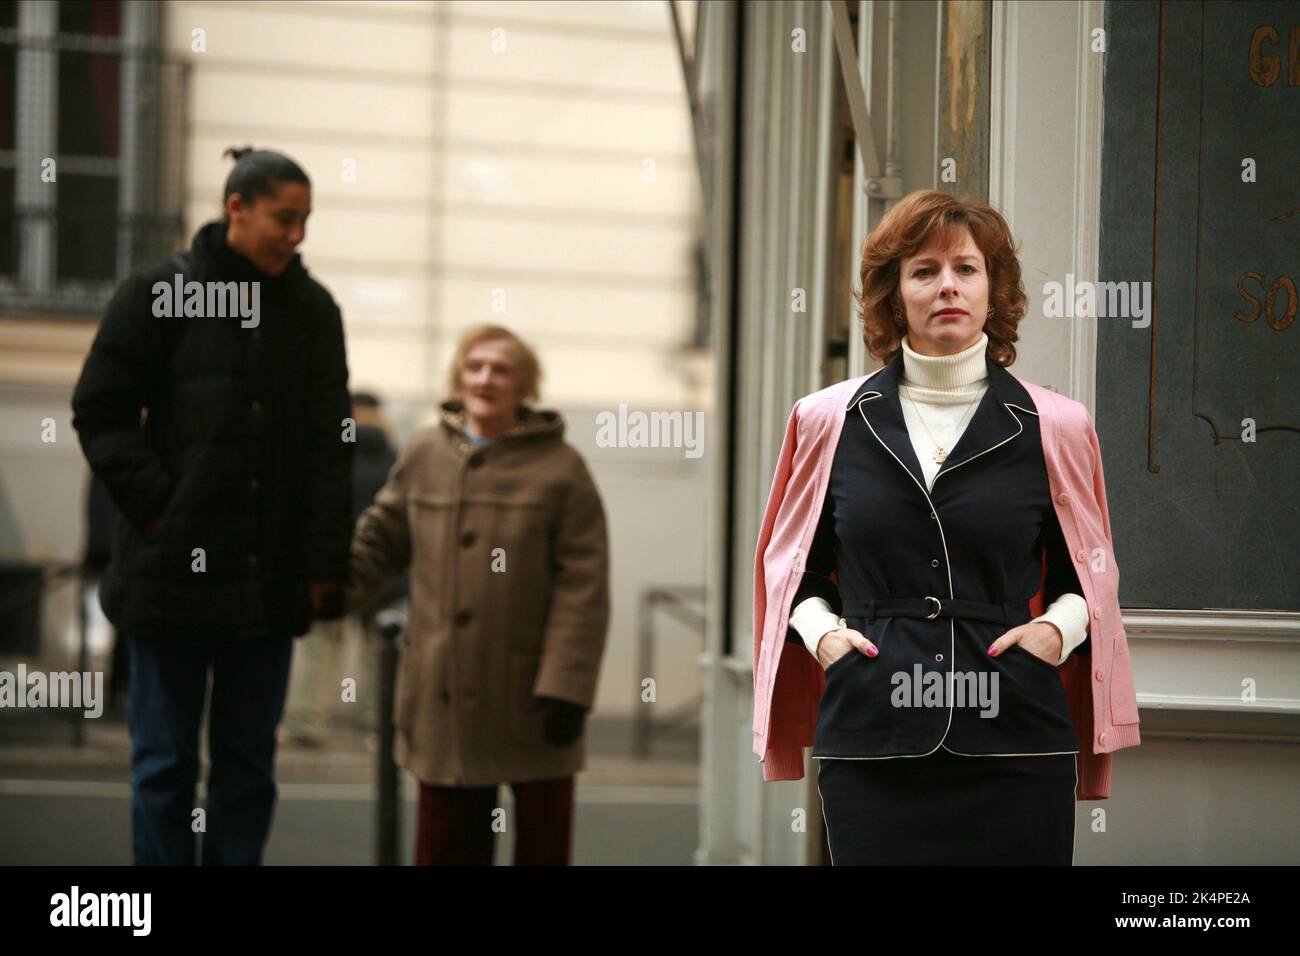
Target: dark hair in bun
{"type": "Point", "coordinates": [259, 172]}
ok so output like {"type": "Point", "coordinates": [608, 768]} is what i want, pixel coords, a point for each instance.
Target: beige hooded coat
{"type": "Point", "coordinates": [508, 556]}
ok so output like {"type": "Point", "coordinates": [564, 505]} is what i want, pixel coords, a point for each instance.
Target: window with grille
{"type": "Point", "coordinates": [90, 177]}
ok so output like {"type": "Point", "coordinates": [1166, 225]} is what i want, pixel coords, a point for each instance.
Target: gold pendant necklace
{"type": "Point", "coordinates": [940, 453]}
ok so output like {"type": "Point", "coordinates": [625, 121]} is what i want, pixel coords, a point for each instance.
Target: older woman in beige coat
{"type": "Point", "coordinates": [504, 533]}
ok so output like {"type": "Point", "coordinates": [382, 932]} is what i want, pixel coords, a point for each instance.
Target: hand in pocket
{"type": "Point", "coordinates": [1040, 639]}
{"type": "Point", "coordinates": [835, 644]}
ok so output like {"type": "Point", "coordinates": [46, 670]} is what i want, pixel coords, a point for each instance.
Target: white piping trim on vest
{"type": "Point", "coordinates": [1074, 830]}
{"type": "Point", "coordinates": [942, 746]}
{"type": "Point", "coordinates": [1037, 753]}
{"type": "Point", "coordinates": [947, 566]}
{"type": "Point", "coordinates": [1019, 423]}
{"type": "Point", "coordinates": [829, 848]}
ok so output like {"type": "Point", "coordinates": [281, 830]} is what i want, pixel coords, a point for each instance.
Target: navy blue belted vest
{"type": "Point", "coordinates": [933, 576]}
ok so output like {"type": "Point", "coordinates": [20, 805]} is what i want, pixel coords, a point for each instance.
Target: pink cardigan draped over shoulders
{"type": "Point", "coordinates": [788, 681]}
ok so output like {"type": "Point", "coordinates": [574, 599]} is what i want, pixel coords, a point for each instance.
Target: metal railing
{"type": "Point", "coordinates": [388, 820]}
{"type": "Point", "coordinates": [679, 602]}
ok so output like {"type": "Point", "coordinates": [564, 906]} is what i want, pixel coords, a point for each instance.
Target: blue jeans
{"type": "Point", "coordinates": [169, 684]}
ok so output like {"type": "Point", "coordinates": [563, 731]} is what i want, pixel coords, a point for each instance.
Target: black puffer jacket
{"type": "Point", "coordinates": [233, 437]}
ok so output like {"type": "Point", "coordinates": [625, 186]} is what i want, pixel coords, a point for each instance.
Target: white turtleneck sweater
{"type": "Point", "coordinates": [947, 388]}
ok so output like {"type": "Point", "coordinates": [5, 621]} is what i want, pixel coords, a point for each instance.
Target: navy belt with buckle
{"type": "Point", "coordinates": [930, 607]}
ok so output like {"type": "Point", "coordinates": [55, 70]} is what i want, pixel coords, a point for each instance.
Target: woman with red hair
{"type": "Point", "coordinates": [944, 731]}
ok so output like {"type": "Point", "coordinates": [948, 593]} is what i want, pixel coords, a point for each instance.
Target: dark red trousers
{"type": "Point", "coordinates": [455, 825]}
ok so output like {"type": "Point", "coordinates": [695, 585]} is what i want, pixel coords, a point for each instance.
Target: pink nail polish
{"type": "Point", "coordinates": [993, 650]}
{"type": "Point", "coordinates": [872, 652]}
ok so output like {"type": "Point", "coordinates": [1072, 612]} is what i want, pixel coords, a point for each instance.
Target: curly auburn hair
{"type": "Point", "coordinates": [903, 232]}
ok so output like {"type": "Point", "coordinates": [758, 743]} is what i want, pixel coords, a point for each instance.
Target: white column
{"type": "Point", "coordinates": [38, 97]}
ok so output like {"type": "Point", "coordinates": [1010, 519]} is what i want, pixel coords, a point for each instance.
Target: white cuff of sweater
{"type": "Point", "coordinates": [1069, 613]}
{"type": "Point", "coordinates": [812, 619]}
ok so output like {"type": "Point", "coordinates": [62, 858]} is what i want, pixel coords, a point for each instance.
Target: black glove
{"type": "Point", "coordinates": [563, 720]}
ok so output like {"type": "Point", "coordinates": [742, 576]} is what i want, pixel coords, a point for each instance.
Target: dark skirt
{"type": "Point", "coordinates": [947, 809]}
